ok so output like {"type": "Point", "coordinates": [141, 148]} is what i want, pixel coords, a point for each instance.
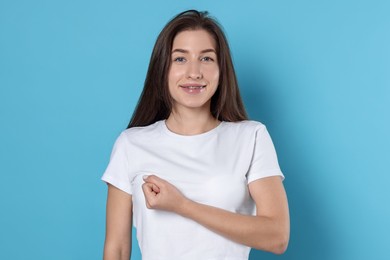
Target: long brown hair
{"type": "Point", "coordinates": [155, 102]}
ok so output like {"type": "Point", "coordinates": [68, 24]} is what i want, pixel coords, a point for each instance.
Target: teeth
{"type": "Point", "coordinates": [195, 87]}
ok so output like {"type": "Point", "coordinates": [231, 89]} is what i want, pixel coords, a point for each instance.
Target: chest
{"type": "Point", "coordinates": [211, 173]}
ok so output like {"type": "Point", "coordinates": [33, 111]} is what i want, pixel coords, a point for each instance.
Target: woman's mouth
{"type": "Point", "coordinates": [193, 89]}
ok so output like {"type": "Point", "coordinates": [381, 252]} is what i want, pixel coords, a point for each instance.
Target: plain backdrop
{"type": "Point", "coordinates": [317, 73]}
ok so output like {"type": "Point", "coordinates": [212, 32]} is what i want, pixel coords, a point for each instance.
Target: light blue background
{"type": "Point", "coordinates": [317, 73]}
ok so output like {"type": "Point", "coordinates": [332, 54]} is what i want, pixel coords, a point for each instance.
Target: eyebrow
{"type": "Point", "coordinates": [185, 51]}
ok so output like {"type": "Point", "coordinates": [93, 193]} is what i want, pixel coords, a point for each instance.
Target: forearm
{"type": "Point", "coordinates": [260, 232]}
{"type": "Point", "coordinates": [268, 231]}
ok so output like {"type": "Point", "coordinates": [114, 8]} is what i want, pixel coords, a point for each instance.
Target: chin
{"type": "Point", "coordinates": [192, 105]}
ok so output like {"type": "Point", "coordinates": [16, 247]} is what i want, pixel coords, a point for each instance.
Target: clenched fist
{"type": "Point", "coordinates": [162, 195]}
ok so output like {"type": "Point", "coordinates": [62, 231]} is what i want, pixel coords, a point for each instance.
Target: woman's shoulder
{"type": "Point", "coordinates": [141, 132]}
{"type": "Point", "coordinates": [245, 125]}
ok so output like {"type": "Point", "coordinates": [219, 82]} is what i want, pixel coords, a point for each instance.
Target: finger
{"type": "Point", "coordinates": [148, 205]}
{"type": "Point", "coordinates": [148, 194]}
{"type": "Point", "coordinates": [150, 189]}
{"type": "Point", "coordinates": [151, 197]}
{"type": "Point", "coordinates": [154, 179]}
{"type": "Point", "coordinates": [147, 188]}
{"type": "Point", "coordinates": [155, 188]}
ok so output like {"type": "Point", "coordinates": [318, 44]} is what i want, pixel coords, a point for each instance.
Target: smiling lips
{"type": "Point", "coordinates": [193, 88]}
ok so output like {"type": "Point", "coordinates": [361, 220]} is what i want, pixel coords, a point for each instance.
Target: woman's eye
{"type": "Point", "coordinates": [207, 59]}
{"type": "Point", "coordinates": [179, 59]}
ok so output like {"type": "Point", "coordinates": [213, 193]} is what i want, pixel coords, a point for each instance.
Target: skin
{"type": "Point", "coordinates": [117, 245]}
{"type": "Point", "coordinates": [195, 62]}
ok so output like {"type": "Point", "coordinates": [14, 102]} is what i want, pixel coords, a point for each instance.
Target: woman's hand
{"type": "Point", "coordinates": [160, 194]}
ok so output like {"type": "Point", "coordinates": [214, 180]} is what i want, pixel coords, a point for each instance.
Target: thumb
{"type": "Point", "coordinates": [153, 179]}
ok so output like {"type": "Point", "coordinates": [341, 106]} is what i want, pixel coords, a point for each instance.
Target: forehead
{"type": "Point", "coordinates": [194, 40]}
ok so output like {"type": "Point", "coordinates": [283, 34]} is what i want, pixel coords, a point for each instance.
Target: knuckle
{"type": "Point", "coordinates": [149, 206]}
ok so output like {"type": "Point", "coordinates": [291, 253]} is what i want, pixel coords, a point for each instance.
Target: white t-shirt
{"type": "Point", "coordinates": [212, 168]}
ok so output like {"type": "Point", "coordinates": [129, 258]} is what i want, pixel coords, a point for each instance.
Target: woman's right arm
{"type": "Point", "coordinates": [117, 245]}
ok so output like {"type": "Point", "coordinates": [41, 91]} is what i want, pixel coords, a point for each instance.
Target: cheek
{"type": "Point", "coordinates": [172, 77]}
{"type": "Point", "coordinates": [217, 76]}
{"type": "Point", "coordinates": [213, 75]}
{"type": "Point", "coordinates": [176, 72]}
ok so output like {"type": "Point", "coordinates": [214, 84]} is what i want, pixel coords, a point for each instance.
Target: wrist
{"type": "Point", "coordinates": [184, 207]}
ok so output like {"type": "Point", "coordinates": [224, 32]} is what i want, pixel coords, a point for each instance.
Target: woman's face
{"type": "Point", "coordinates": [194, 72]}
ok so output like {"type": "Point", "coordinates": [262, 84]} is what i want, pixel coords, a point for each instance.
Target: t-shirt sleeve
{"type": "Point", "coordinates": [117, 171]}
{"type": "Point", "coordinates": [264, 160]}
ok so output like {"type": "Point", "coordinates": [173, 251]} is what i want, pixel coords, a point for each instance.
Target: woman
{"type": "Point", "coordinates": [199, 180]}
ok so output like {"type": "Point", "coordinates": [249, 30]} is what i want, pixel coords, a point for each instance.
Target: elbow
{"type": "Point", "coordinates": [116, 251]}
{"type": "Point", "coordinates": [280, 247]}
{"type": "Point", "coordinates": [280, 244]}
{"type": "Point", "coordinates": [280, 239]}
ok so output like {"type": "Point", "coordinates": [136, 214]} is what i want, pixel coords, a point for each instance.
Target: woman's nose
{"type": "Point", "coordinates": [194, 70]}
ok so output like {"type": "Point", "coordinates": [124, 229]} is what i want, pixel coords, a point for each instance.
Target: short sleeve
{"type": "Point", "coordinates": [264, 161]}
{"type": "Point", "coordinates": [117, 171]}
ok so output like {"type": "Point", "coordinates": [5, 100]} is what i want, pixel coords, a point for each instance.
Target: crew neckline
{"type": "Point", "coordinates": [208, 133]}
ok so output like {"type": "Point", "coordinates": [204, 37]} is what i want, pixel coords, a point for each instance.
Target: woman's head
{"type": "Point", "coordinates": [156, 102]}
{"type": "Point", "coordinates": [194, 72]}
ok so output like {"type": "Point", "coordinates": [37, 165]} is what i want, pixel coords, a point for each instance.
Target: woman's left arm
{"type": "Point", "coordinates": [269, 230]}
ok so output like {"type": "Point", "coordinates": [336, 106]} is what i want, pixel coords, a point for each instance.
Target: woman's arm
{"type": "Point", "coordinates": [269, 230]}
{"type": "Point", "coordinates": [117, 245]}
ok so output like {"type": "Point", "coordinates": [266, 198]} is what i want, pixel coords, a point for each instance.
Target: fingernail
{"type": "Point", "coordinates": [145, 177]}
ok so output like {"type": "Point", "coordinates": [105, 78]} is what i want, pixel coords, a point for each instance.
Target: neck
{"type": "Point", "coordinates": [191, 122]}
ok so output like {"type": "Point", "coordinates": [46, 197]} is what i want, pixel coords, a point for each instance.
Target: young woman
{"type": "Point", "coordinates": [198, 179]}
